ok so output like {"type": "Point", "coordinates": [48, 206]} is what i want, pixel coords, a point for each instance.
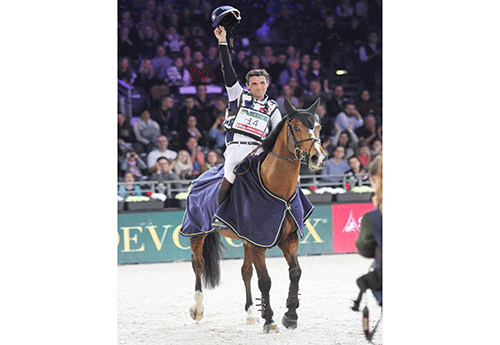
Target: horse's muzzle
{"type": "Point", "coordinates": [317, 161]}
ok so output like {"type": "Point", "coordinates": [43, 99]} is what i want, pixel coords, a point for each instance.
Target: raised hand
{"type": "Point", "coordinates": [220, 33]}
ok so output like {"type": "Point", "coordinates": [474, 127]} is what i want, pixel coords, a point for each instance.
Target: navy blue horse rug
{"type": "Point", "coordinates": [251, 211]}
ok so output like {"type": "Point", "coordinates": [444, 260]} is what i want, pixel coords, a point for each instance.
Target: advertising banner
{"type": "Point", "coordinates": [154, 237]}
{"type": "Point", "coordinates": [345, 221]}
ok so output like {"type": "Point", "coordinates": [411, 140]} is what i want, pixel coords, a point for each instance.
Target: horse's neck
{"type": "Point", "coordinates": [280, 176]}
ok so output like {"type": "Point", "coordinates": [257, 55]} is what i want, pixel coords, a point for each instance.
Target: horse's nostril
{"type": "Point", "coordinates": [314, 159]}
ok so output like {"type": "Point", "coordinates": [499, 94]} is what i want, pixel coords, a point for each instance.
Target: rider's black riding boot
{"type": "Point", "coordinates": [224, 189]}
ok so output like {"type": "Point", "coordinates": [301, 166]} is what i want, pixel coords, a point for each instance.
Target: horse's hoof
{"type": "Point", "coordinates": [196, 311]}
{"type": "Point", "coordinates": [196, 314]}
{"type": "Point", "coordinates": [252, 318]}
{"type": "Point", "coordinates": [289, 323]}
{"type": "Point", "coordinates": [271, 328]}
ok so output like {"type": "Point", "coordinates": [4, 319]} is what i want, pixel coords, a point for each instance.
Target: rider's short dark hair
{"type": "Point", "coordinates": [257, 73]}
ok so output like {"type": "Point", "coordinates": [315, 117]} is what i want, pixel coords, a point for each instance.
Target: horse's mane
{"type": "Point", "coordinates": [307, 120]}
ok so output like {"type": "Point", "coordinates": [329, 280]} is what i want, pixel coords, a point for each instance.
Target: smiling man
{"type": "Point", "coordinates": [250, 116]}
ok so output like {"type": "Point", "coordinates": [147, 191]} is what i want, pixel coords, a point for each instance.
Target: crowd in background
{"type": "Point", "coordinates": [168, 53]}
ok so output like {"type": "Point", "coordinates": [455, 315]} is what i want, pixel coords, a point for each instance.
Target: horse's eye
{"type": "Point", "coordinates": [296, 129]}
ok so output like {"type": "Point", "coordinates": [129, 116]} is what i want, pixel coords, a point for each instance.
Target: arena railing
{"type": "Point", "coordinates": [173, 187]}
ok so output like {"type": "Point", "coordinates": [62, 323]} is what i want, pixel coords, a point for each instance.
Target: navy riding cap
{"type": "Point", "coordinates": [226, 16]}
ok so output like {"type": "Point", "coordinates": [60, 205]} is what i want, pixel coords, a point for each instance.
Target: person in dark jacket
{"type": "Point", "coordinates": [369, 242]}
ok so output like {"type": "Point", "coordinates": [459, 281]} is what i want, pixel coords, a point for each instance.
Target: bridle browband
{"type": "Point", "coordinates": [302, 157]}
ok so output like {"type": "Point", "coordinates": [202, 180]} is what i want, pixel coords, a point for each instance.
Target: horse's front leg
{"type": "Point", "coordinates": [289, 246]}
{"type": "Point", "coordinates": [259, 260]}
{"type": "Point", "coordinates": [246, 273]}
{"type": "Point", "coordinates": [196, 243]}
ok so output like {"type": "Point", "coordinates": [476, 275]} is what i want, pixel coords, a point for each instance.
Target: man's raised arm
{"type": "Point", "coordinates": [228, 71]}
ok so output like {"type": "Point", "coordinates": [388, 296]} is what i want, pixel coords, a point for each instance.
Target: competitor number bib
{"type": "Point", "coordinates": [251, 122]}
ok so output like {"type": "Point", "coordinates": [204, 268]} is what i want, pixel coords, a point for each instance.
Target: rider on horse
{"type": "Point", "coordinates": [250, 116]}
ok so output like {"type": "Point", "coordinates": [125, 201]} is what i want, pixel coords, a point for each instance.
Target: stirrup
{"type": "Point", "coordinates": [218, 225]}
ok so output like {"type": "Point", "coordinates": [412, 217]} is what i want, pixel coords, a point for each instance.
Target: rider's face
{"type": "Point", "coordinates": [257, 86]}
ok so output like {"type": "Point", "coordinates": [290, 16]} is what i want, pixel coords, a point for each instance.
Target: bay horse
{"type": "Point", "coordinates": [295, 140]}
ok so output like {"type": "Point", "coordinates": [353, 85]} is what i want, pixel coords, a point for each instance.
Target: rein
{"type": "Point", "coordinates": [297, 150]}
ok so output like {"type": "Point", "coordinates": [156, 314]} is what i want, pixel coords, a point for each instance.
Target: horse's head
{"type": "Point", "coordinates": [303, 135]}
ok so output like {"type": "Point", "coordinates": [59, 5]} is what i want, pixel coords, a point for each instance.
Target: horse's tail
{"type": "Point", "coordinates": [212, 250]}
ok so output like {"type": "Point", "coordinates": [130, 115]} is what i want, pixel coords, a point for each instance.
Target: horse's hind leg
{"type": "Point", "coordinates": [196, 243]}
{"type": "Point", "coordinates": [259, 260]}
{"type": "Point", "coordinates": [246, 273]}
{"type": "Point", "coordinates": [289, 247]}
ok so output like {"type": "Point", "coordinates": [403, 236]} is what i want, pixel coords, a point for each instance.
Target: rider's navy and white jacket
{"type": "Point", "coordinates": [248, 121]}
{"type": "Point", "coordinates": [241, 99]}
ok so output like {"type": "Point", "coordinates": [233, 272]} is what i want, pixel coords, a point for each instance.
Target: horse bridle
{"type": "Point", "coordinates": [297, 150]}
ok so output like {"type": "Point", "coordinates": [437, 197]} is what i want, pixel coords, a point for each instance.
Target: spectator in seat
{"type": "Point", "coordinates": [286, 91]}
{"type": "Point", "coordinates": [126, 46]}
{"type": "Point", "coordinates": [148, 40]}
{"type": "Point", "coordinates": [335, 165]}
{"type": "Point", "coordinates": [370, 56]}
{"type": "Point", "coordinates": [173, 42]}
{"type": "Point", "coordinates": [126, 137]}
{"type": "Point", "coordinates": [212, 58]}
{"type": "Point", "coordinates": [183, 165]}
{"type": "Point", "coordinates": [217, 135]}
{"type": "Point", "coordinates": [129, 189]}
{"type": "Point", "coordinates": [317, 72]}
{"type": "Point", "coordinates": [134, 164]}
{"type": "Point", "coordinates": [146, 77]}
{"type": "Point", "coordinates": [297, 89]}
{"type": "Point", "coordinates": [125, 71]}
{"type": "Point", "coordinates": [328, 41]}
{"type": "Point", "coordinates": [356, 168]}
{"type": "Point", "coordinates": [198, 39]}
{"type": "Point", "coordinates": [166, 115]}
{"type": "Point", "coordinates": [364, 154]}
{"type": "Point", "coordinates": [178, 75]}
{"type": "Point", "coordinates": [347, 139]}
{"type": "Point", "coordinates": [255, 62]}
{"type": "Point", "coordinates": [200, 71]}
{"type": "Point", "coordinates": [164, 171]}
{"type": "Point", "coordinates": [161, 151]}
{"type": "Point", "coordinates": [197, 154]}
{"type": "Point", "coordinates": [376, 148]}
{"type": "Point", "coordinates": [191, 130]}
{"type": "Point", "coordinates": [240, 64]}
{"type": "Point", "coordinates": [337, 102]}
{"type": "Point", "coordinates": [161, 62]}
{"type": "Point", "coordinates": [327, 124]}
{"type": "Point", "coordinates": [187, 55]}
{"type": "Point", "coordinates": [190, 108]}
{"type": "Point", "coordinates": [315, 91]}
{"type": "Point", "coordinates": [291, 71]}
{"type": "Point", "coordinates": [349, 118]}
{"type": "Point", "coordinates": [268, 58]}
{"type": "Point", "coordinates": [146, 131]}
{"type": "Point", "coordinates": [369, 131]}
{"type": "Point", "coordinates": [344, 11]}
{"type": "Point", "coordinates": [204, 102]}
{"type": "Point", "coordinates": [366, 105]}
{"type": "Point", "coordinates": [277, 67]}
{"type": "Point", "coordinates": [126, 21]}
{"type": "Point", "coordinates": [212, 158]}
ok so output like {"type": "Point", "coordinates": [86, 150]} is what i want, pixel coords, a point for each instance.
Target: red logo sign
{"type": "Point", "coordinates": [345, 223]}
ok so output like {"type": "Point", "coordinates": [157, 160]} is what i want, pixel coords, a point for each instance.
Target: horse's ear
{"type": "Point", "coordinates": [289, 108]}
{"type": "Point", "coordinates": [312, 109]}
